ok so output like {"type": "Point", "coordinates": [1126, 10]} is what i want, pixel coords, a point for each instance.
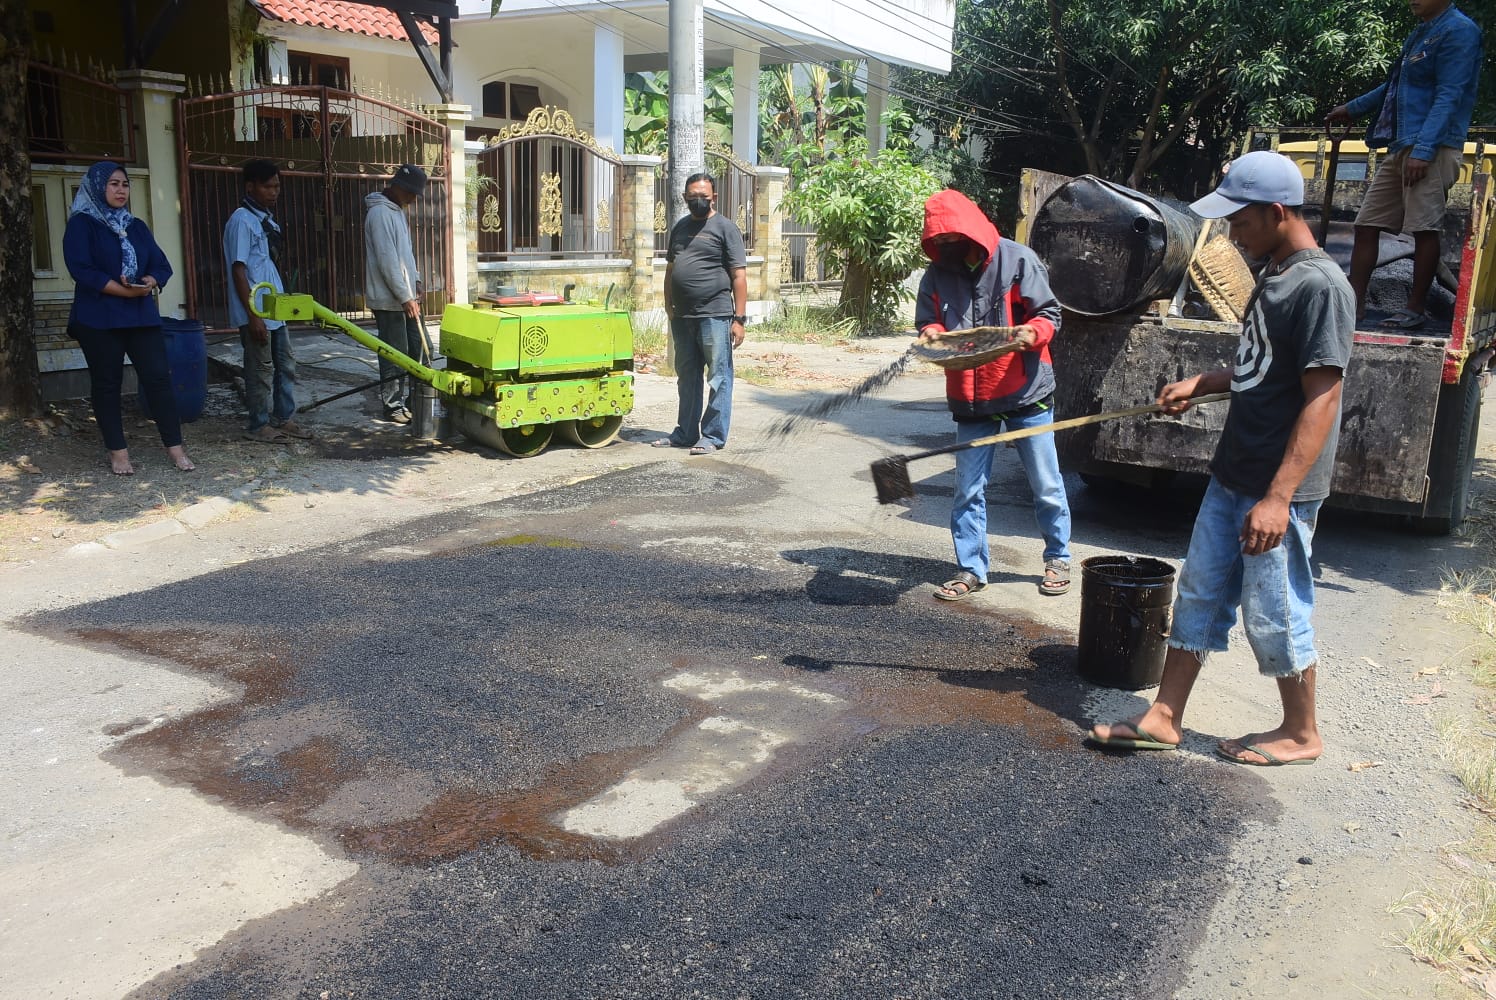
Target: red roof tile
{"type": "Point", "coordinates": [341, 15]}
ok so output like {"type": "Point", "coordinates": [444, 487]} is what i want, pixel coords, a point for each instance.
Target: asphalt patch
{"type": "Point", "coordinates": [948, 836]}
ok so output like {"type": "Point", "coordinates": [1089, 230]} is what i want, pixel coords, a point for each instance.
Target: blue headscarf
{"type": "Point", "coordinates": [92, 202]}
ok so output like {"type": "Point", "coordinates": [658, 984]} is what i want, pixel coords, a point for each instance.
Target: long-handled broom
{"type": "Point", "coordinates": [891, 475]}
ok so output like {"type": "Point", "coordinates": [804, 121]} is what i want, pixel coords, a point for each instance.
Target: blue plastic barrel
{"type": "Point", "coordinates": [187, 359]}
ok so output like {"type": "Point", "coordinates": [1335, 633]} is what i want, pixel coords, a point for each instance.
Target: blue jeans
{"type": "Point", "coordinates": [702, 345]}
{"type": "Point", "coordinates": [1041, 463]}
{"type": "Point", "coordinates": [405, 335]}
{"type": "Point", "coordinates": [262, 362]}
{"type": "Point", "coordinates": [1275, 590]}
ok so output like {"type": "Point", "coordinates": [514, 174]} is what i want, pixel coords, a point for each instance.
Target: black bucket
{"type": "Point", "coordinates": [1125, 606]}
{"type": "Point", "coordinates": [1109, 248]}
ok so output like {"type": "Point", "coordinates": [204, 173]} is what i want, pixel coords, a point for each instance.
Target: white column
{"type": "Point", "coordinates": [877, 103]}
{"type": "Point", "coordinates": [745, 104]}
{"type": "Point", "coordinates": [607, 87]}
{"type": "Point", "coordinates": [154, 95]}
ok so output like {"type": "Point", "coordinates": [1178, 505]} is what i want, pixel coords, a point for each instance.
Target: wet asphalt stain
{"type": "Point", "coordinates": [947, 836]}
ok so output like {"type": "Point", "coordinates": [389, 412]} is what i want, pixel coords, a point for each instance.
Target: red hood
{"type": "Point", "coordinates": [950, 211]}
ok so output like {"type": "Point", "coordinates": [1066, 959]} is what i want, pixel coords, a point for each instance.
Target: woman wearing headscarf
{"type": "Point", "coordinates": [118, 270]}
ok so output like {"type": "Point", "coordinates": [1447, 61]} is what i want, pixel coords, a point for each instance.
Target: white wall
{"type": "Point", "coordinates": [915, 33]}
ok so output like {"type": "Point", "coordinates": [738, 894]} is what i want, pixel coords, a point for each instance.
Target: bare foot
{"type": "Point", "coordinates": [1156, 722]}
{"type": "Point", "coordinates": [1275, 747]}
{"type": "Point", "coordinates": [180, 458]}
{"type": "Point", "coordinates": [119, 463]}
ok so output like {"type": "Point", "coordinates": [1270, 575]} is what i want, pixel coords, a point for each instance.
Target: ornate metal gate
{"type": "Point", "coordinates": [333, 148]}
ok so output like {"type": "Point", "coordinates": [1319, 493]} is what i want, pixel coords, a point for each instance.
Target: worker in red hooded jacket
{"type": "Point", "coordinates": [977, 278]}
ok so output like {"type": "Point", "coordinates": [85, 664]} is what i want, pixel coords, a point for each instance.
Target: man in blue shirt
{"type": "Point", "coordinates": [252, 246]}
{"type": "Point", "coordinates": [1422, 115]}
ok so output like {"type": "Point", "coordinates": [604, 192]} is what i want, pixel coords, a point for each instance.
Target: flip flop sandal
{"type": "Point", "coordinates": [662, 443]}
{"type": "Point", "coordinates": [1268, 760]}
{"type": "Point", "coordinates": [703, 448]}
{"type": "Point", "coordinates": [967, 582]}
{"type": "Point", "coordinates": [1405, 319]}
{"type": "Point", "coordinates": [1143, 741]}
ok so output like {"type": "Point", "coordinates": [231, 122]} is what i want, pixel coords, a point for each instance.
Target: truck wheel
{"type": "Point", "coordinates": [1463, 464]}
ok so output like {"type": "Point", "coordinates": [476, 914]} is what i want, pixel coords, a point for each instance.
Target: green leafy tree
{"type": "Point", "coordinates": [646, 110]}
{"type": "Point", "coordinates": [1153, 92]}
{"type": "Point", "coordinates": [808, 104]}
{"type": "Point", "coordinates": [870, 211]}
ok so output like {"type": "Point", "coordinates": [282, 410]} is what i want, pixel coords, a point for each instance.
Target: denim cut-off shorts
{"type": "Point", "coordinates": [1275, 590]}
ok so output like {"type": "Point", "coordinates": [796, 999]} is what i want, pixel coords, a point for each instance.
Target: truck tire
{"type": "Point", "coordinates": [1461, 455]}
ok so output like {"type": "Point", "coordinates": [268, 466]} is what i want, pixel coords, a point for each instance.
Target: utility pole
{"type": "Point", "coordinates": [687, 105]}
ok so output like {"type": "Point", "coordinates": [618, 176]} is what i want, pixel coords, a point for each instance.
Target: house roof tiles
{"type": "Point", "coordinates": [341, 15]}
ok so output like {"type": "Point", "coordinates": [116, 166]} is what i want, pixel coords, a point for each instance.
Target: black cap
{"type": "Point", "coordinates": [409, 178]}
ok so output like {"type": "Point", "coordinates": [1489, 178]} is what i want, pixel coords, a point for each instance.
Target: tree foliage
{"type": "Point", "coordinates": [870, 209]}
{"type": "Point", "coordinates": [1153, 92]}
{"type": "Point", "coordinates": [807, 105]}
{"type": "Point", "coordinates": [646, 110]}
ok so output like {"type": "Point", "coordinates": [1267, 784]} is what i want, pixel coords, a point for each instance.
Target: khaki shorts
{"type": "Point", "coordinates": [1420, 208]}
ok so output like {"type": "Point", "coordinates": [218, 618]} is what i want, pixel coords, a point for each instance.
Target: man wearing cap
{"type": "Point", "coordinates": [1422, 115]}
{"type": "Point", "coordinates": [392, 283]}
{"type": "Point", "coordinates": [1270, 473]}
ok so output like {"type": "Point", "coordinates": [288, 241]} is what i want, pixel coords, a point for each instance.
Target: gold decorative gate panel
{"type": "Point", "coordinates": [333, 147]}
{"type": "Point", "coordinates": [547, 190]}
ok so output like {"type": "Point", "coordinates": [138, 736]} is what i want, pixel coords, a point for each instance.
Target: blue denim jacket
{"type": "Point", "coordinates": [1435, 89]}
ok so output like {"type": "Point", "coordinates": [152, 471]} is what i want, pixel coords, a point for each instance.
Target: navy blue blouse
{"type": "Point", "coordinates": [94, 258]}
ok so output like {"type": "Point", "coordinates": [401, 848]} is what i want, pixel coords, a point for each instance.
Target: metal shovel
{"type": "Point", "coordinates": [891, 475]}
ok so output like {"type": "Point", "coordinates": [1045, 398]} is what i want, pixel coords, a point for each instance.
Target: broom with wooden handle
{"type": "Point", "coordinates": [891, 475]}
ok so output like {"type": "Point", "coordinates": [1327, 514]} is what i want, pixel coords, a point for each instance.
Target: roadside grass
{"type": "Point", "coordinates": [1457, 932]}
{"type": "Point", "coordinates": [800, 323]}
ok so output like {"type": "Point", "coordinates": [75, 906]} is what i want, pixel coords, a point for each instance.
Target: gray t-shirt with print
{"type": "Point", "coordinates": [1302, 315]}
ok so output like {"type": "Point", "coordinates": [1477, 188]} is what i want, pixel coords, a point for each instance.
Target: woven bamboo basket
{"type": "Point", "coordinates": [963, 349]}
{"type": "Point", "coordinates": [1223, 278]}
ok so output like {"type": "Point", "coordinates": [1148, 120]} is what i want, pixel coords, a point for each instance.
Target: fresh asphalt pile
{"type": "Point", "coordinates": [427, 699]}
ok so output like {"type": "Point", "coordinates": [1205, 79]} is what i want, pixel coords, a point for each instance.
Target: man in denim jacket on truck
{"type": "Point", "coordinates": [1422, 115]}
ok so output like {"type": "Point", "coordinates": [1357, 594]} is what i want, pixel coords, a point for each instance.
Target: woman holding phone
{"type": "Point", "coordinates": [118, 270]}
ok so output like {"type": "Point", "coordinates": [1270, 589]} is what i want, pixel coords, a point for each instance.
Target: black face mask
{"type": "Point", "coordinates": [699, 207]}
{"type": "Point", "coordinates": [953, 255]}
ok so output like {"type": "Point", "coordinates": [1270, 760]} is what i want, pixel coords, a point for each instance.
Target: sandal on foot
{"type": "Point", "coordinates": [959, 587]}
{"type": "Point", "coordinates": [1268, 760]}
{"type": "Point", "coordinates": [664, 443]}
{"type": "Point", "coordinates": [1405, 319]}
{"type": "Point", "coordinates": [1056, 578]}
{"type": "Point", "coordinates": [1142, 741]}
{"type": "Point", "coordinates": [703, 448]}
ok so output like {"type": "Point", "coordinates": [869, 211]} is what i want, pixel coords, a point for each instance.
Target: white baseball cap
{"type": "Point", "coordinates": [1261, 177]}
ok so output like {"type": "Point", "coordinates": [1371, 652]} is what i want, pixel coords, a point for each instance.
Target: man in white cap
{"type": "Point", "coordinates": [1270, 473]}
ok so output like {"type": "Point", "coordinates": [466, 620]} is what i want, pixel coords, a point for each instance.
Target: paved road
{"type": "Point", "coordinates": [685, 728]}
{"type": "Point", "coordinates": [573, 765]}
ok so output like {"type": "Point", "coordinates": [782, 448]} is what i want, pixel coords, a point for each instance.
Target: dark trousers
{"type": "Point", "coordinates": [407, 336]}
{"type": "Point", "coordinates": [105, 351]}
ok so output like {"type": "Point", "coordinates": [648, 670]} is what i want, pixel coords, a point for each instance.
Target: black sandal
{"type": "Point", "coordinates": [967, 581]}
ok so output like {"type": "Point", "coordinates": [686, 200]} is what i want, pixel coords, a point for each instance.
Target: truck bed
{"type": "Point", "coordinates": [1114, 361]}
